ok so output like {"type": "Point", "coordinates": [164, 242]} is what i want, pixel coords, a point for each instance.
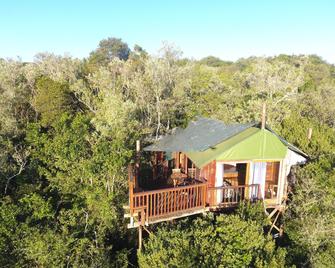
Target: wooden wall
{"type": "Point", "coordinates": [208, 172]}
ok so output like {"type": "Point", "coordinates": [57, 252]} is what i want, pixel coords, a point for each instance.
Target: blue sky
{"type": "Point", "coordinates": [229, 29]}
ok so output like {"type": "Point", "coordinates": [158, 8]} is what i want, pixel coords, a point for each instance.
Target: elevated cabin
{"type": "Point", "coordinates": [210, 166]}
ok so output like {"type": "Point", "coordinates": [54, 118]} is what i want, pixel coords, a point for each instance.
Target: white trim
{"type": "Point", "coordinates": [281, 182]}
{"type": "Point", "coordinates": [219, 173]}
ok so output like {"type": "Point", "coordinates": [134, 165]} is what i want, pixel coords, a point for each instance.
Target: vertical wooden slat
{"type": "Point", "coordinates": [161, 198]}
{"type": "Point", "coordinates": [183, 200]}
{"type": "Point", "coordinates": [176, 193]}
{"type": "Point", "coordinates": [179, 199]}
{"type": "Point", "coordinates": [194, 196]}
{"type": "Point", "coordinates": [166, 199]}
{"type": "Point", "coordinates": [163, 203]}
{"type": "Point", "coordinates": [159, 204]}
{"type": "Point", "coordinates": [154, 205]}
{"type": "Point", "coordinates": [146, 207]}
{"type": "Point", "coordinates": [203, 196]}
{"type": "Point", "coordinates": [190, 200]}
{"type": "Point", "coordinates": [187, 197]}
{"type": "Point", "coordinates": [168, 202]}
{"type": "Point", "coordinates": [175, 200]}
{"type": "Point", "coordinates": [150, 205]}
{"type": "Point", "coordinates": [197, 196]}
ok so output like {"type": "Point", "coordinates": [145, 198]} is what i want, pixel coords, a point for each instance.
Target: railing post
{"type": "Point", "coordinates": [131, 189]}
{"type": "Point", "coordinates": [205, 195]}
{"type": "Point", "coordinates": [258, 192]}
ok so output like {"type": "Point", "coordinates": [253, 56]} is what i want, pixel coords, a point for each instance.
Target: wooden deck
{"type": "Point", "coordinates": [149, 207]}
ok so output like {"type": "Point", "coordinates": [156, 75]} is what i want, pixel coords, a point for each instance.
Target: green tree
{"type": "Point", "coordinates": [82, 200]}
{"type": "Point", "coordinates": [51, 99]}
{"type": "Point", "coordinates": [214, 61]}
{"type": "Point", "coordinates": [108, 50]}
{"type": "Point", "coordinates": [223, 241]}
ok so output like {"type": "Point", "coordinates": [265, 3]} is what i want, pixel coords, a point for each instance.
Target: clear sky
{"type": "Point", "coordinates": [229, 29]}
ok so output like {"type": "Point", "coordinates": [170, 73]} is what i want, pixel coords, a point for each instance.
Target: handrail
{"type": "Point", "coordinates": [232, 195]}
{"type": "Point", "coordinates": [169, 189]}
{"type": "Point", "coordinates": [150, 205]}
{"type": "Point", "coordinates": [169, 201]}
{"type": "Point", "coordinates": [233, 187]}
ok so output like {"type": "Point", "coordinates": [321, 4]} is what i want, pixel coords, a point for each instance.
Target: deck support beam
{"type": "Point", "coordinates": [137, 164]}
{"type": "Point", "coordinates": [140, 238]}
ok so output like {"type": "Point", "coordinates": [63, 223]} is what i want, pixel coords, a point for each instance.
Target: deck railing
{"type": "Point", "coordinates": [167, 202]}
{"type": "Point", "coordinates": [151, 206]}
{"type": "Point", "coordinates": [232, 195]}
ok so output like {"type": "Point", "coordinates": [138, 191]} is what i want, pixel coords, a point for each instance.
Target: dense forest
{"type": "Point", "coordinates": [68, 130]}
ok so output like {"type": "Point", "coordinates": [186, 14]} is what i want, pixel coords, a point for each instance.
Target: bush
{"type": "Point", "coordinates": [222, 241]}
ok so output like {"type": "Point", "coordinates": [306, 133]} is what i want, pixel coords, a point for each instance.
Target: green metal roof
{"type": "Point", "coordinates": [199, 135]}
{"type": "Point", "coordinates": [251, 144]}
{"type": "Point", "coordinates": [205, 140]}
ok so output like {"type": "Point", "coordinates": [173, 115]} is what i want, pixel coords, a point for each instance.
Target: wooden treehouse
{"type": "Point", "coordinates": [210, 166]}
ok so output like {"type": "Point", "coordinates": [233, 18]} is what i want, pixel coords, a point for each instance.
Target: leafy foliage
{"type": "Point", "coordinates": [68, 129]}
{"type": "Point", "coordinates": [223, 241]}
{"type": "Point", "coordinates": [107, 50]}
{"type": "Point", "coordinates": [51, 99]}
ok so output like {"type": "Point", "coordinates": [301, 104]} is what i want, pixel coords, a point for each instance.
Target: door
{"type": "Point", "coordinates": [271, 180]}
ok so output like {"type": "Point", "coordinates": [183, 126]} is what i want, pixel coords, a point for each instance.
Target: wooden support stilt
{"type": "Point", "coordinates": [281, 230]}
{"type": "Point", "coordinates": [274, 222]}
{"type": "Point", "coordinates": [137, 165]}
{"type": "Point", "coordinates": [272, 213]}
{"type": "Point", "coordinates": [279, 210]}
{"type": "Point", "coordinates": [140, 238]}
{"type": "Point", "coordinates": [146, 229]}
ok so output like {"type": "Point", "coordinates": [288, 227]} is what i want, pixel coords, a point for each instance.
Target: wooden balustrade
{"type": "Point", "coordinates": [232, 195]}
{"type": "Point", "coordinates": [150, 206]}
{"type": "Point", "coordinates": [166, 202]}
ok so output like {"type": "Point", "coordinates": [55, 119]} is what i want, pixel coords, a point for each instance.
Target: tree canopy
{"type": "Point", "coordinates": [68, 129]}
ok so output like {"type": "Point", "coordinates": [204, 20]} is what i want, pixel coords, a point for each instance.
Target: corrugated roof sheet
{"type": "Point", "coordinates": [198, 136]}
{"type": "Point", "coordinates": [289, 145]}
{"type": "Point", "coordinates": [205, 133]}
{"type": "Point", "coordinates": [252, 144]}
